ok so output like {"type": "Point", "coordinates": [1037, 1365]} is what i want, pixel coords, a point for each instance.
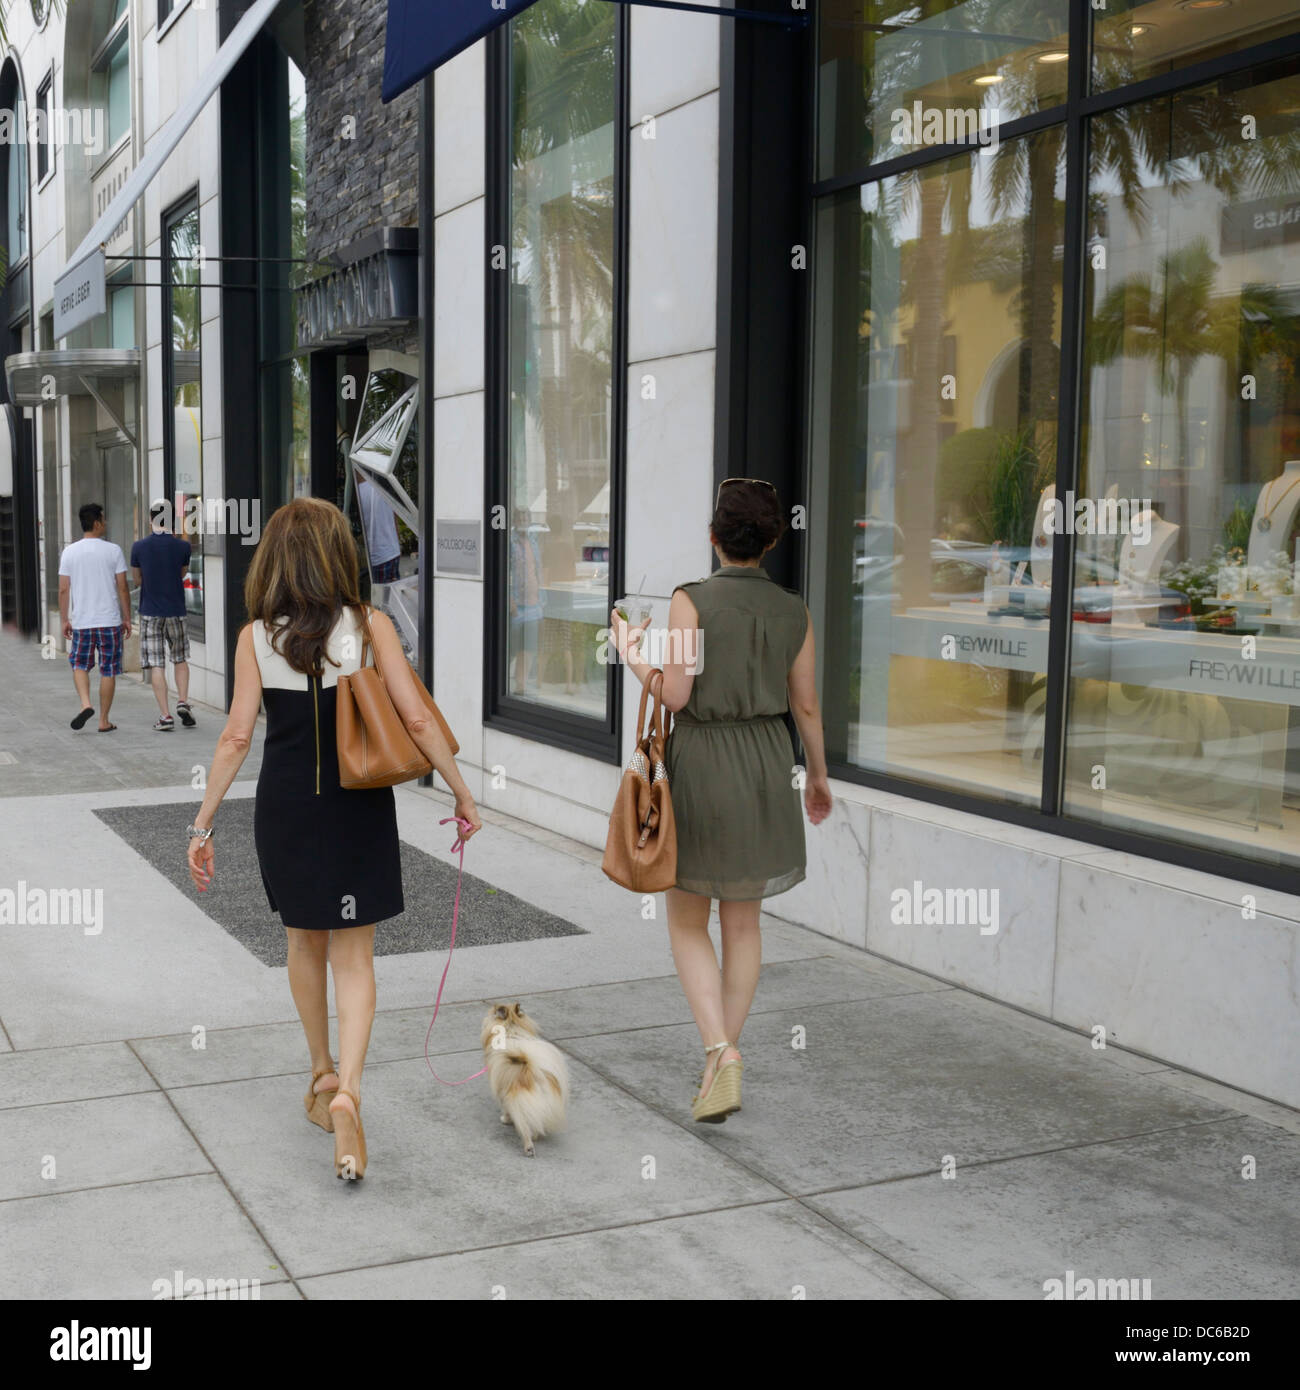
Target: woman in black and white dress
{"type": "Point", "coordinates": [329, 858]}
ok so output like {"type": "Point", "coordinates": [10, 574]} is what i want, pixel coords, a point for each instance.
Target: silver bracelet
{"type": "Point", "coordinates": [192, 832]}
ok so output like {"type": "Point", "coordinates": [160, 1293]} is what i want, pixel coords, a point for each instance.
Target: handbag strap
{"type": "Point", "coordinates": [658, 717]}
{"type": "Point", "coordinates": [369, 641]}
{"type": "Point", "coordinates": [640, 717]}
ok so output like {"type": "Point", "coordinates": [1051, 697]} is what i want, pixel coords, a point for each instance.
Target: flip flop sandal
{"type": "Point", "coordinates": [85, 714]}
{"type": "Point", "coordinates": [107, 730]}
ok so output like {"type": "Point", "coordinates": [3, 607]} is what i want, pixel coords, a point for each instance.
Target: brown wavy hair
{"type": "Point", "coordinates": [304, 570]}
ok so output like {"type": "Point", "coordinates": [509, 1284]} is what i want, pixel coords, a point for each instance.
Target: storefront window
{"type": "Point", "coordinates": [183, 427]}
{"type": "Point", "coordinates": [935, 405]}
{"type": "Point", "coordinates": [561, 333]}
{"type": "Point", "coordinates": [896, 75]}
{"type": "Point", "coordinates": [946, 496]}
{"type": "Point", "coordinates": [383, 454]}
{"type": "Point", "coordinates": [1185, 661]}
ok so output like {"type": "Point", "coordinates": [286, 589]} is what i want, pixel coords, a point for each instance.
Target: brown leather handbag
{"type": "Point", "coordinates": [375, 748]}
{"type": "Point", "coordinates": [641, 849]}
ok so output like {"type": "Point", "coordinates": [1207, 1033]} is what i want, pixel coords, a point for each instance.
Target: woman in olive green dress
{"type": "Point", "coordinates": [739, 654]}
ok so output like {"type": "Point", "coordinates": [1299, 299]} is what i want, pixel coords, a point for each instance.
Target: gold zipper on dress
{"type": "Point", "coordinates": [316, 711]}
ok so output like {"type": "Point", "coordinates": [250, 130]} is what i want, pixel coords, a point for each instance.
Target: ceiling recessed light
{"type": "Point", "coordinates": [989, 79]}
{"type": "Point", "coordinates": [1137, 30]}
{"type": "Point", "coordinates": [1055, 55]}
{"type": "Point", "coordinates": [1203, 4]}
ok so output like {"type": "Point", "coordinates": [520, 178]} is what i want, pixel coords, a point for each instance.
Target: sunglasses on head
{"type": "Point", "coordinates": [734, 482]}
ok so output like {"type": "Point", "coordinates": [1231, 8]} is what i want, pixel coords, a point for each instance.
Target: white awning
{"type": "Point", "coordinates": [162, 145]}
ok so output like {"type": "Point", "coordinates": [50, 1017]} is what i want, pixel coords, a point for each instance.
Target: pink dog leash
{"type": "Point", "coordinates": [459, 846]}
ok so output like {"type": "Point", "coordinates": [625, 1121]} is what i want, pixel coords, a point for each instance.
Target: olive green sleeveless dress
{"type": "Point", "coordinates": [729, 757]}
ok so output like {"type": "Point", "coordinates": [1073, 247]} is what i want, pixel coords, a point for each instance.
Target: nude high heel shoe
{"type": "Point", "coordinates": [349, 1137]}
{"type": "Point", "coordinates": [317, 1103]}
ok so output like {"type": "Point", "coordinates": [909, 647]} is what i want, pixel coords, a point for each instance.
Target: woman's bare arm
{"type": "Point", "coordinates": [807, 711]}
{"type": "Point", "coordinates": [681, 652]}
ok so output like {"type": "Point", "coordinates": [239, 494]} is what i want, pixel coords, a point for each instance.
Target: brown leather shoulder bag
{"type": "Point", "coordinates": [641, 848]}
{"type": "Point", "coordinates": [375, 748]}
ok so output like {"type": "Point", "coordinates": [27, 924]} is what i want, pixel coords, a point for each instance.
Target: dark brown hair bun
{"type": "Point", "coordinates": [748, 518]}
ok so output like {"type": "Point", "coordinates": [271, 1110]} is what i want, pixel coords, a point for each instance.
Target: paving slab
{"type": "Point", "coordinates": [445, 1174]}
{"type": "Point", "coordinates": [115, 1242]}
{"type": "Point", "coordinates": [884, 1088]}
{"type": "Point", "coordinates": [70, 1073]}
{"type": "Point", "coordinates": [1173, 1208]}
{"type": "Point", "coordinates": [279, 1049]}
{"type": "Point", "coordinates": [232, 1054]}
{"type": "Point", "coordinates": [91, 1143]}
{"type": "Point", "coordinates": [776, 1251]}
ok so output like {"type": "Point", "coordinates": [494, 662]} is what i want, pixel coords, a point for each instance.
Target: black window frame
{"type": "Point", "coordinates": [595, 738]}
{"type": "Point", "coordinates": [45, 148]}
{"type": "Point", "coordinates": [1073, 115]}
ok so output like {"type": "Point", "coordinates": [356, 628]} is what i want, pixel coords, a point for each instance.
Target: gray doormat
{"type": "Point", "coordinates": [237, 900]}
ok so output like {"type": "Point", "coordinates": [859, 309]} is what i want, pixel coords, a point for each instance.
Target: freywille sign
{"type": "Point", "coordinates": [457, 547]}
{"type": "Point", "coordinates": [376, 292]}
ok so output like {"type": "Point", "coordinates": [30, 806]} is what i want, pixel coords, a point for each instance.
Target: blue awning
{"type": "Point", "coordinates": [423, 34]}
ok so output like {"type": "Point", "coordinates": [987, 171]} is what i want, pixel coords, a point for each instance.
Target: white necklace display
{"type": "Point", "coordinates": [1264, 522]}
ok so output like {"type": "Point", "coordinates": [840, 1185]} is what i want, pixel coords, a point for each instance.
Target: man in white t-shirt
{"type": "Point", "coordinates": [96, 610]}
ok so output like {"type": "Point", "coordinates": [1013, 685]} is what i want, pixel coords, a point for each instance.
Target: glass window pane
{"type": "Point", "coordinates": [561, 339]}
{"type": "Point", "coordinates": [895, 75]}
{"type": "Point", "coordinates": [1185, 662]}
{"type": "Point", "coordinates": [119, 92]}
{"type": "Point", "coordinates": [121, 306]}
{"type": "Point", "coordinates": [187, 412]}
{"type": "Point", "coordinates": [936, 362]}
{"type": "Point", "coordinates": [1137, 40]}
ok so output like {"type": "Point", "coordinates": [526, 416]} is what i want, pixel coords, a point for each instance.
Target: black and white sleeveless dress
{"type": "Point", "coordinates": [329, 857]}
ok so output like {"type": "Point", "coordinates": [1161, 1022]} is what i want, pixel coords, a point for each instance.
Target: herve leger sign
{"type": "Point", "coordinates": [79, 295]}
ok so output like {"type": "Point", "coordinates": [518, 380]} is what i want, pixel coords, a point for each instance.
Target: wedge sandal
{"type": "Point", "coordinates": [723, 1096]}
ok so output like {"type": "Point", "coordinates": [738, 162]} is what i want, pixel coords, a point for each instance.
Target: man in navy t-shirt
{"type": "Point", "coordinates": [161, 562]}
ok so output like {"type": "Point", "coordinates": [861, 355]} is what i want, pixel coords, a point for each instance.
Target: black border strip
{"type": "Point", "coordinates": [428, 388]}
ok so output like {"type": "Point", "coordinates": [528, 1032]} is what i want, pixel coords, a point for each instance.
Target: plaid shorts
{"type": "Point", "coordinates": [158, 636]}
{"type": "Point", "coordinates": [387, 572]}
{"type": "Point", "coordinates": [106, 640]}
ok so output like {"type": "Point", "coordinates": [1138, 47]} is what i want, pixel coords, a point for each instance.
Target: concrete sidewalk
{"type": "Point", "coordinates": [900, 1138]}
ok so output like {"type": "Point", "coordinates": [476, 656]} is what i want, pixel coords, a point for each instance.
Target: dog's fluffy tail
{"type": "Point", "coordinates": [534, 1084]}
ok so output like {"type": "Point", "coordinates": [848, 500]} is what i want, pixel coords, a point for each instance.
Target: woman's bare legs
{"type": "Point", "coordinates": [742, 957]}
{"type": "Point", "coordinates": [351, 957]}
{"type": "Point", "coordinates": [308, 953]}
{"type": "Point", "coordinates": [697, 969]}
